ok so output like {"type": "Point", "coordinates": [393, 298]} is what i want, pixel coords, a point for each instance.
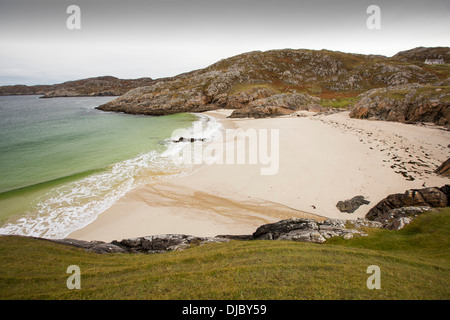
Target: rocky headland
{"type": "Point", "coordinates": [98, 86]}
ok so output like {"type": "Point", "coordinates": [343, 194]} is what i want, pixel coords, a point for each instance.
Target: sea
{"type": "Point", "coordinates": [63, 162]}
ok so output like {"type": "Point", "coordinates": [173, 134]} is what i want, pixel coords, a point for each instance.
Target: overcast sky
{"type": "Point", "coordinates": [159, 38]}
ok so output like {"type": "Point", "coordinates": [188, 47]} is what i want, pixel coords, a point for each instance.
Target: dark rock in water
{"type": "Point", "coordinates": [429, 197]}
{"type": "Point", "coordinates": [182, 139]}
{"type": "Point", "coordinates": [352, 204]}
{"type": "Point", "coordinates": [444, 169]}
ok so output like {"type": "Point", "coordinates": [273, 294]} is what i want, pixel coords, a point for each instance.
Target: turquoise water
{"type": "Point", "coordinates": [62, 162]}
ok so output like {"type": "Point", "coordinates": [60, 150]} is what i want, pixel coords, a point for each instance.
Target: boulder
{"type": "Point", "coordinates": [272, 231]}
{"type": "Point", "coordinates": [352, 204]}
{"type": "Point", "coordinates": [428, 197]}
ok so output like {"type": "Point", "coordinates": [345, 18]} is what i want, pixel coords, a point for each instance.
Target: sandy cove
{"type": "Point", "coordinates": [322, 159]}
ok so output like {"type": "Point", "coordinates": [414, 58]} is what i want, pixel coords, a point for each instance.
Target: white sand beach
{"type": "Point", "coordinates": [322, 159]}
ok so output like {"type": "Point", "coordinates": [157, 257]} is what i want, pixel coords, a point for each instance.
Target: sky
{"type": "Point", "coordinates": [160, 38]}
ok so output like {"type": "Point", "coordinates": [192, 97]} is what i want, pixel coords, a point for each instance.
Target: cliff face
{"type": "Point", "coordinates": [276, 82]}
{"type": "Point", "coordinates": [99, 86]}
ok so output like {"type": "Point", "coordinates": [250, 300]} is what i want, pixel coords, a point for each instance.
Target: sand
{"type": "Point", "coordinates": [322, 159]}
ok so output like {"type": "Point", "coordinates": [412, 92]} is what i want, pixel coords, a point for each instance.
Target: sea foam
{"type": "Point", "coordinates": [75, 205]}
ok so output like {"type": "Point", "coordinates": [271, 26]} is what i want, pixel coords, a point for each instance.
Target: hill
{"type": "Point", "coordinates": [276, 82]}
{"type": "Point", "coordinates": [420, 54]}
{"type": "Point", "coordinates": [98, 86]}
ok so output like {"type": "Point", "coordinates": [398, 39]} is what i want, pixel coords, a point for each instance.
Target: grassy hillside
{"type": "Point", "coordinates": [414, 264]}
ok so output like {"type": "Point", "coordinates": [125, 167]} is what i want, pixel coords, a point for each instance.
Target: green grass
{"type": "Point", "coordinates": [395, 94]}
{"type": "Point", "coordinates": [440, 70]}
{"type": "Point", "coordinates": [339, 103]}
{"type": "Point", "coordinates": [435, 92]}
{"type": "Point", "coordinates": [247, 87]}
{"type": "Point", "coordinates": [414, 264]}
{"type": "Point", "coordinates": [428, 92]}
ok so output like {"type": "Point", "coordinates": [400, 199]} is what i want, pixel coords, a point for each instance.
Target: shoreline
{"type": "Point", "coordinates": [323, 159]}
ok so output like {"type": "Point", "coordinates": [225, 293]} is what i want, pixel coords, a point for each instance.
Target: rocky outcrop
{"type": "Point", "coordinates": [90, 246]}
{"type": "Point", "coordinates": [406, 103]}
{"type": "Point", "coordinates": [294, 229]}
{"type": "Point", "coordinates": [149, 244]}
{"type": "Point", "coordinates": [396, 219]}
{"type": "Point", "coordinates": [304, 230]}
{"type": "Point", "coordinates": [426, 197]}
{"type": "Point", "coordinates": [98, 86]}
{"type": "Point", "coordinates": [444, 169]}
{"type": "Point", "coordinates": [352, 204]}
{"type": "Point", "coordinates": [164, 243]}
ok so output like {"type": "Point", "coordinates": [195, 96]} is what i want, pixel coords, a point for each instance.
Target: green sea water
{"type": "Point", "coordinates": [62, 162]}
